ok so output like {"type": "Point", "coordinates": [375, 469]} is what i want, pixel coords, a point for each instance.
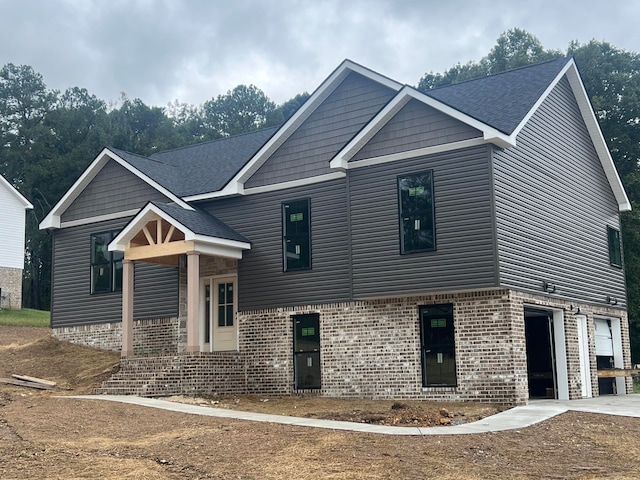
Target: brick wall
{"type": "Point", "coordinates": [372, 348]}
{"type": "Point", "coordinates": [151, 337]}
{"type": "Point", "coordinates": [11, 285]}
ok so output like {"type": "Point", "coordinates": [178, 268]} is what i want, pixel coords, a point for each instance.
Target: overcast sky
{"type": "Point", "coordinates": [193, 50]}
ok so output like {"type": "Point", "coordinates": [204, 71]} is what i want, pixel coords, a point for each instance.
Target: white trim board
{"type": "Point", "coordinates": [53, 218]}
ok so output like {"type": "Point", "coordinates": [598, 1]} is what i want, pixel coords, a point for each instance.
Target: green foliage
{"type": "Point", "coordinates": [515, 48]}
{"type": "Point", "coordinates": [25, 318]}
{"type": "Point", "coordinates": [241, 110]}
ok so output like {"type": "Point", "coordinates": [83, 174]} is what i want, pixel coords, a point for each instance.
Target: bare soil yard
{"type": "Point", "coordinates": [43, 436]}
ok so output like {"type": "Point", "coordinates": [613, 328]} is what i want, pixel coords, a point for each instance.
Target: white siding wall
{"type": "Point", "coordinates": [12, 219]}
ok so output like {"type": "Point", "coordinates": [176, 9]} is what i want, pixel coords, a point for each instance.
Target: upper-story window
{"type": "Point", "coordinates": [106, 266]}
{"type": "Point", "coordinates": [615, 252]}
{"type": "Point", "coordinates": [417, 218]}
{"type": "Point", "coordinates": [296, 235]}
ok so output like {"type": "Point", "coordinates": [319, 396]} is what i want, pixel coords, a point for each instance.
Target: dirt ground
{"type": "Point", "coordinates": [46, 436]}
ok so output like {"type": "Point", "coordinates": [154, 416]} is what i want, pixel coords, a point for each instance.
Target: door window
{"type": "Point", "coordinates": [306, 350]}
{"type": "Point", "coordinates": [438, 346]}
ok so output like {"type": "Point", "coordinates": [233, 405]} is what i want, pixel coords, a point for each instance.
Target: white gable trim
{"type": "Point", "coordinates": [295, 183]}
{"type": "Point", "coordinates": [52, 220]}
{"type": "Point", "coordinates": [489, 134]}
{"type": "Point", "coordinates": [151, 212]}
{"type": "Point", "coordinates": [21, 198]}
{"type": "Point", "coordinates": [419, 152]}
{"type": "Point", "coordinates": [236, 184]}
{"type": "Point", "coordinates": [100, 218]}
{"type": "Point", "coordinates": [600, 144]}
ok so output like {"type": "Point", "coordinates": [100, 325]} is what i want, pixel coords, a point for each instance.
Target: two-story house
{"type": "Point", "coordinates": [460, 244]}
{"type": "Point", "coordinates": [12, 228]}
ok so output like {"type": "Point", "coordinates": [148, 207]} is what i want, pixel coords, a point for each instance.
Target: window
{"type": "Point", "coordinates": [296, 233]}
{"type": "Point", "coordinates": [417, 224]}
{"type": "Point", "coordinates": [438, 346]}
{"type": "Point", "coordinates": [306, 351]}
{"type": "Point", "coordinates": [615, 252]}
{"type": "Point", "coordinates": [106, 266]}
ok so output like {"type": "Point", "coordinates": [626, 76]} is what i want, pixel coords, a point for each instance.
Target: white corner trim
{"type": "Point", "coordinates": [420, 152]}
{"type": "Point", "coordinates": [600, 144]}
{"type": "Point", "coordinates": [230, 190]}
{"type": "Point", "coordinates": [99, 218]}
{"type": "Point", "coordinates": [295, 183]}
{"type": "Point", "coordinates": [21, 198]}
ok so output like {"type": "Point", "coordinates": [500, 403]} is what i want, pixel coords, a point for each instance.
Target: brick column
{"type": "Point", "coordinates": [193, 301]}
{"type": "Point", "coordinates": [128, 269]}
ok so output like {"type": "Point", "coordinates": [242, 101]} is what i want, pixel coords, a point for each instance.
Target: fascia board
{"type": "Point", "coordinates": [52, 220]}
{"type": "Point", "coordinates": [235, 185]}
{"type": "Point", "coordinates": [21, 198]}
{"type": "Point", "coordinates": [490, 134]}
{"type": "Point", "coordinates": [600, 144]}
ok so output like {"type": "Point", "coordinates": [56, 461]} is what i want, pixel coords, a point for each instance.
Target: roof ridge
{"type": "Point", "coordinates": [113, 149]}
{"type": "Point", "coordinates": [523, 67]}
{"type": "Point", "coordinates": [215, 140]}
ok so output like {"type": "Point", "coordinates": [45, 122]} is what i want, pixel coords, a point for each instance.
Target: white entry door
{"type": "Point", "coordinates": [219, 329]}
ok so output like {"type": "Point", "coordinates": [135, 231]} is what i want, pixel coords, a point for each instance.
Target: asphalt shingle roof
{"type": "Point", "coordinates": [502, 100]}
{"type": "Point", "coordinates": [200, 222]}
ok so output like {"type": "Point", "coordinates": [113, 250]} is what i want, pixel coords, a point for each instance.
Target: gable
{"type": "Point", "coordinates": [308, 151]}
{"type": "Point", "coordinates": [12, 225]}
{"type": "Point", "coordinates": [113, 190]}
{"type": "Point", "coordinates": [414, 127]}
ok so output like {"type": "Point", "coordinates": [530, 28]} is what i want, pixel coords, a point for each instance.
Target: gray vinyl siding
{"type": "Point", "coordinates": [308, 151]}
{"type": "Point", "coordinates": [415, 126]}
{"type": "Point", "coordinates": [553, 205]}
{"type": "Point", "coordinates": [465, 256]}
{"type": "Point", "coordinates": [114, 189]}
{"type": "Point", "coordinates": [156, 287]}
{"type": "Point", "coordinates": [261, 281]}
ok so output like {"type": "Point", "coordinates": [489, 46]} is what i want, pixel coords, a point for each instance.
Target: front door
{"type": "Point", "coordinates": [219, 329]}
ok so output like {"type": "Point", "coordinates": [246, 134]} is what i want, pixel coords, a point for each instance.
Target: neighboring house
{"type": "Point", "coordinates": [462, 244]}
{"type": "Point", "coordinates": [12, 224]}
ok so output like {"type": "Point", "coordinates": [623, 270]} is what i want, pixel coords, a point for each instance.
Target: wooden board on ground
{"type": "Point", "coordinates": [22, 383]}
{"type": "Point", "coordinates": [27, 378]}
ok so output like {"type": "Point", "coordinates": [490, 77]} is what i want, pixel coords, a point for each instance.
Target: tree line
{"type": "Point", "coordinates": [48, 137]}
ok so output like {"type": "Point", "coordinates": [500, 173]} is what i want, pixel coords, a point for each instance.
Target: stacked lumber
{"type": "Point", "coordinates": [30, 382]}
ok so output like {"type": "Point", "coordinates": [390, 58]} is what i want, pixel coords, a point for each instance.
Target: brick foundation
{"type": "Point", "coordinates": [11, 286]}
{"type": "Point", "coordinates": [151, 337]}
{"type": "Point", "coordinates": [369, 349]}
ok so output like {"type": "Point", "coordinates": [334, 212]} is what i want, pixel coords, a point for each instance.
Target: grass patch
{"type": "Point", "coordinates": [636, 384]}
{"type": "Point", "coordinates": [25, 318]}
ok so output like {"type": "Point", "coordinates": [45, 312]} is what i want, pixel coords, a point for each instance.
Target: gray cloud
{"type": "Point", "coordinates": [192, 50]}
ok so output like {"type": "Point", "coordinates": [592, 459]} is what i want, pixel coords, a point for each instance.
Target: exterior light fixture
{"type": "Point", "coordinates": [548, 287]}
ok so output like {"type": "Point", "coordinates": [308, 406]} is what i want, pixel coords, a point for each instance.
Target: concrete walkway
{"type": "Point", "coordinates": [515, 418]}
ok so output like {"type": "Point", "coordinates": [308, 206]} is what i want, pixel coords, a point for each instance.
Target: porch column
{"type": "Point", "coordinates": [193, 301]}
{"type": "Point", "coordinates": [128, 268]}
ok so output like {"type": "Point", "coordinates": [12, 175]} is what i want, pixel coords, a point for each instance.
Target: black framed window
{"type": "Point", "coordinates": [417, 217]}
{"type": "Point", "coordinates": [106, 266]}
{"type": "Point", "coordinates": [615, 251]}
{"type": "Point", "coordinates": [438, 346]}
{"type": "Point", "coordinates": [296, 235]}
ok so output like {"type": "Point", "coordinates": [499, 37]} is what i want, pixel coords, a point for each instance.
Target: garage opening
{"type": "Point", "coordinates": [541, 362]}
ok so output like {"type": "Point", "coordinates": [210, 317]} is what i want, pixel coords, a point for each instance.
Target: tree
{"type": "Point", "coordinates": [514, 48]}
{"type": "Point", "coordinates": [241, 110]}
